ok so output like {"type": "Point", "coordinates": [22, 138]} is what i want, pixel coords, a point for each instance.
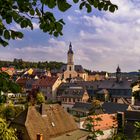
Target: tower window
{"type": "Point", "coordinates": [70, 68]}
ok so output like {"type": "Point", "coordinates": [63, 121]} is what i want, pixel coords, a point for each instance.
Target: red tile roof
{"type": "Point", "coordinates": [45, 82]}
{"type": "Point", "coordinates": [6, 68]}
{"type": "Point", "coordinates": [106, 121]}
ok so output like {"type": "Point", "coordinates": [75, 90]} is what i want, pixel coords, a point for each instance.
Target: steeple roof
{"type": "Point", "coordinates": [118, 69]}
{"type": "Point", "coordinates": [70, 49]}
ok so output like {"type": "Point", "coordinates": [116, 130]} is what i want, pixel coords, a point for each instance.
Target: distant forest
{"type": "Point", "coordinates": [20, 64]}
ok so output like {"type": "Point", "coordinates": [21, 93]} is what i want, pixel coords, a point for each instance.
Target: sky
{"type": "Point", "coordinates": [100, 40]}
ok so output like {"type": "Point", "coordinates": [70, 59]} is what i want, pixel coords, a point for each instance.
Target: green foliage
{"type": "Point", "coordinates": [136, 132]}
{"type": "Point", "coordinates": [5, 132]}
{"type": "Point", "coordinates": [90, 127]}
{"type": "Point", "coordinates": [9, 112]}
{"type": "Point", "coordinates": [22, 12]}
{"type": "Point", "coordinates": [119, 136]}
{"type": "Point", "coordinates": [2, 98]}
{"type": "Point", "coordinates": [6, 84]}
{"type": "Point", "coordinates": [41, 65]}
{"type": "Point", "coordinates": [137, 125]}
{"type": "Point", "coordinates": [40, 98]}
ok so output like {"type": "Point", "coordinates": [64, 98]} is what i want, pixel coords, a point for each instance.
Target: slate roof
{"type": "Point", "coordinates": [111, 107]}
{"type": "Point", "coordinates": [102, 91]}
{"type": "Point", "coordinates": [132, 115]}
{"type": "Point", "coordinates": [77, 68]}
{"type": "Point", "coordinates": [74, 93]}
{"type": "Point", "coordinates": [112, 84]}
{"type": "Point", "coordinates": [83, 106]}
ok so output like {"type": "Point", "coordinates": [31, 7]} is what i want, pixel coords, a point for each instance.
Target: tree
{"type": "Point", "coordinates": [5, 132]}
{"type": "Point", "coordinates": [90, 126]}
{"type": "Point", "coordinates": [23, 12]}
{"type": "Point", "coordinates": [40, 98]}
{"type": "Point", "coordinates": [137, 131]}
{"type": "Point", "coordinates": [9, 112]}
{"type": "Point", "coordinates": [6, 84]}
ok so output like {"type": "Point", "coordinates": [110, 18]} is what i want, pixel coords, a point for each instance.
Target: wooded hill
{"type": "Point", "coordinates": [20, 64]}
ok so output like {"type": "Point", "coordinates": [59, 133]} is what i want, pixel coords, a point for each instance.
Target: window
{"type": "Point", "coordinates": [70, 68]}
{"type": "Point", "coordinates": [74, 100]}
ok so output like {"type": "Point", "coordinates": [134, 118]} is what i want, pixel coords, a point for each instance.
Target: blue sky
{"type": "Point", "coordinates": [100, 40]}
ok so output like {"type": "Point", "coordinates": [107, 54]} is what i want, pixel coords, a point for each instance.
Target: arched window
{"type": "Point", "coordinates": [69, 68]}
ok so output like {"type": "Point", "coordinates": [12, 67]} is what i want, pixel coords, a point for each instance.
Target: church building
{"type": "Point", "coordinates": [71, 72]}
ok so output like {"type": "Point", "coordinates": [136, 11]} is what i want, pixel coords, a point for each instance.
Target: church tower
{"type": "Point", "coordinates": [70, 60]}
{"type": "Point", "coordinates": [118, 74]}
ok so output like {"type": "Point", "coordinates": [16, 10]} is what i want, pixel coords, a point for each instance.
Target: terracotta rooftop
{"type": "Point", "coordinates": [45, 81]}
{"type": "Point", "coordinates": [106, 121]}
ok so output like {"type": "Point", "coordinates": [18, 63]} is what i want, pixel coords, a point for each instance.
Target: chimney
{"type": "Point", "coordinates": [132, 100]}
{"type": "Point", "coordinates": [42, 110]}
{"type": "Point", "coordinates": [39, 136]}
{"type": "Point", "coordinates": [121, 121]}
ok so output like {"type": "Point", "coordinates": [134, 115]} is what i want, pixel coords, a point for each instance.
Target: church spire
{"type": "Point", "coordinates": [118, 69]}
{"type": "Point", "coordinates": [70, 51]}
{"type": "Point", "coordinates": [118, 74]}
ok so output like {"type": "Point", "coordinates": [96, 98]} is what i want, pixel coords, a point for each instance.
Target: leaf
{"type": "Point", "coordinates": [88, 8]}
{"type": "Point", "coordinates": [75, 1]}
{"type": "Point", "coordinates": [19, 34]}
{"type": "Point", "coordinates": [63, 5]}
{"type": "Point", "coordinates": [55, 34]}
{"type": "Point", "coordinates": [112, 8]}
{"type": "Point", "coordinates": [6, 34]}
{"type": "Point", "coordinates": [81, 5]}
{"type": "Point", "coordinates": [100, 5]}
{"type": "Point", "coordinates": [90, 2]}
{"type": "Point", "coordinates": [32, 12]}
{"type": "Point", "coordinates": [95, 3]}
{"type": "Point", "coordinates": [9, 19]}
{"type": "Point", "coordinates": [105, 7]}
{"type": "Point", "coordinates": [38, 12]}
{"type": "Point", "coordinates": [23, 24]}
{"type": "Point", "coordinates": [51, 3]}
{"type": "Point", "coordinates": [3, 42]}
{"type": "Point", "coordinates": [1, 32]}
{"type": "Point", "coordinates": [13, 35]}
{"type": "Point", "coordinates": [61, 20]}
{"type": "Point", "coordinates": [14, 7]}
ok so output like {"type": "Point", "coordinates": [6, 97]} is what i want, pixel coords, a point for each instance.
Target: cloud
{"type": "Point", "coordinates": [17, 27]}
{"type": "Point", "coordinates": [53, 51]}
{"type": "Point", "coordinates": [73, 19]}
{"type": "Point", "coordinates": [100, 40]}
{"type": "Point", "coordinates": [112, 39]}
{"type": "Point", "coordinates": [77, 11]}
